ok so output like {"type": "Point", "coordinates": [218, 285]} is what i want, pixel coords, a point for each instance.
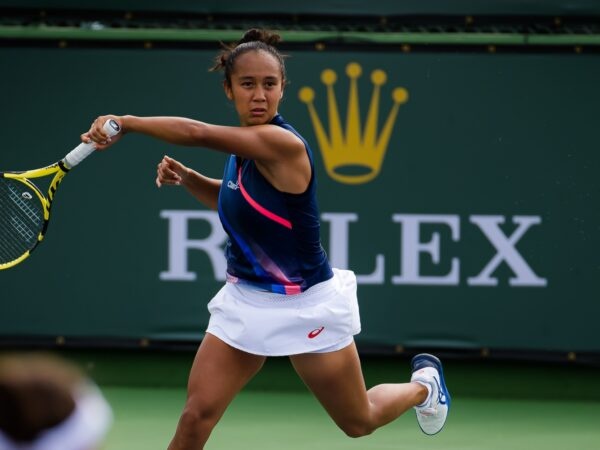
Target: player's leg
{"type": "Point", "coordinates": [337, 381]}
{"type": "Point", "coordinates": [219, 372]}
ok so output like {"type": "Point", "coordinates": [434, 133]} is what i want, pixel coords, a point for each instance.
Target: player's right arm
{"type": "Point", "coordinates": [205, 189]}
{"type": "Point", "coordinates": [266, 143]}
{"type": "Point", "coordinates": [279, 154]}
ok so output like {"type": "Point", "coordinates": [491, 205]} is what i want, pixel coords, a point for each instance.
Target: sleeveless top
{"type": "Point", "coordinates": [274, 237]}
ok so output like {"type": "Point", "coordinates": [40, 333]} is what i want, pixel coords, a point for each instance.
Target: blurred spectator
{"type": "Point", "coordinates": [47, 403]}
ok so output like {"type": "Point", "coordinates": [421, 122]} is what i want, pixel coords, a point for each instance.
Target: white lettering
{"type": "Point", "coordinates": [411, 247]}
{"type": "Point", "coordinates": [180, 244]}
{"type": "Point", "coordinates": [506, 251]}
{"type": "Point", "coordinates": [339, 241]}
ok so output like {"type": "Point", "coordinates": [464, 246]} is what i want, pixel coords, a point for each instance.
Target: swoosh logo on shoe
{"type": "Point", "coordinates": [441, 393]}
{"type": "Point", "coordinates": [314, 333]}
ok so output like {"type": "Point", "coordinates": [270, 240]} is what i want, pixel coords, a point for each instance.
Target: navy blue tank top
{"type": "Point", "coordinates": [274, 237]}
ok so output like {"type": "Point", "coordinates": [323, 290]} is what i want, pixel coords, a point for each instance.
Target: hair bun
{"type": "Point", "coordinates": [253, 39]}
{"type": "Point", "coordinates": [255, 34]}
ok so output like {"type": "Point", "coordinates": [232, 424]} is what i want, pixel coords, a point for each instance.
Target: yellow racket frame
{"type": "Point", "coordinates": [23, 177]}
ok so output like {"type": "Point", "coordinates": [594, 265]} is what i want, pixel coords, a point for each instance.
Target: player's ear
{"type": "Point", "coordinates": [227, 89]}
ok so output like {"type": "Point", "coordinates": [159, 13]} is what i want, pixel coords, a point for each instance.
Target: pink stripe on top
{"type": "Point", "coordinates": [274, 217]}
{"type": "Point", "coordinates": [291, 290]}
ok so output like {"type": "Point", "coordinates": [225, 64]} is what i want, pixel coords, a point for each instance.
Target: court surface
{"type": "Point", "coordinates": [495, 406]}
{"type": "Point", "coordinates": [146, 419]}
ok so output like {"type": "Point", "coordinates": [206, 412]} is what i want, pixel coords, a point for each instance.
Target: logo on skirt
{"type": "Point", "coordinates": [314, 333]}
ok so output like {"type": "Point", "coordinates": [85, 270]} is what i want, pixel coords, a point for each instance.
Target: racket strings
{"type": "Point", "coordinates": [21, 219]}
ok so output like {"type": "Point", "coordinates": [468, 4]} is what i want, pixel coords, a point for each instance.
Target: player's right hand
{"type": "Point", "coordinates": [98, 135]}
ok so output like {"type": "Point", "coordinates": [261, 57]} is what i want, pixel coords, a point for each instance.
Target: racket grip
{"type": "Point", "coordinates": [84, 150]}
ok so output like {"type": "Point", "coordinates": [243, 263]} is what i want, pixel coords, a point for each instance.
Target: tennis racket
{"type": "Point", "coordinates": [25, 211]}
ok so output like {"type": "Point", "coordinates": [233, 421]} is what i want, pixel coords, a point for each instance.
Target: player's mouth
{"type": "Point", "coordinates": [257, 112]}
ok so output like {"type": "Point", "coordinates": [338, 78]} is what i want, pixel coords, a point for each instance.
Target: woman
{"type": "Point", "coordinates": [281, 296]}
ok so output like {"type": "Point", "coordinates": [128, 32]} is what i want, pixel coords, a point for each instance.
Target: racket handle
{"type": "Point", "coordinates": [84, 150]}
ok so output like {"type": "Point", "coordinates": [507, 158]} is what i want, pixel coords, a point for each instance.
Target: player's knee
{"type": "Point", "coordinates": [196, 419]}
{"type": "Point", "coordinates": [356, 430]}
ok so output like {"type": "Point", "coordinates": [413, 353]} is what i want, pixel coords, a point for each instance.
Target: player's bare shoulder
{"type": "Point", "coordinates": [287, 167]}
{"type": "Point", "coordinates": [284, 144]}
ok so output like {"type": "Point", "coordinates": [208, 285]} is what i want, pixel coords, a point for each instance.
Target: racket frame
{"type": "Point", "coordinates": [60, 169]}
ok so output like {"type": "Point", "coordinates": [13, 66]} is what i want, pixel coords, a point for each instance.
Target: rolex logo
{"type": "Point", "coordinates": [356, 155]}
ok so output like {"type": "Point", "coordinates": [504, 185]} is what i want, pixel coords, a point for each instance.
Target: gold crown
{"type": "Point", "coordinates": [353, 158]}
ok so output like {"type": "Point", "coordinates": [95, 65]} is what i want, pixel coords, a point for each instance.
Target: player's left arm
{"type": "Point", "coordinates": [203, 188]}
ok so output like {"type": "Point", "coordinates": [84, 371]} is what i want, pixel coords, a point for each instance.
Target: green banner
{"type": "Point", "coordinates": [462, 188]}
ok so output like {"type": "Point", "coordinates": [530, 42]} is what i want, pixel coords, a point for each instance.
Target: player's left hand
{"type": "Point", "coordinates": [170, 172]}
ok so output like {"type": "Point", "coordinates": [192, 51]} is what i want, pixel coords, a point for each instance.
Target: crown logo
{"type": "Point", "coordinates": [356, 156]}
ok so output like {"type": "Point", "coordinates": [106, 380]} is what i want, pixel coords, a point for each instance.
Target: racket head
{"type": "Point", "coordinates": [24, 215]}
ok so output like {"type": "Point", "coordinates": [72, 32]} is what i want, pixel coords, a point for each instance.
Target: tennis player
{"type": "Point", "coordinates": [281, 296]}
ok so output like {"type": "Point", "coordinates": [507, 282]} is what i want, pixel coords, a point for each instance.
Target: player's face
{"type": "Point", "coordinates": [256, 87]}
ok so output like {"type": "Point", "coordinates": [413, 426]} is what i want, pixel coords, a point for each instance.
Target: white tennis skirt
{"type": "Point", "coordinates": [324, 318]}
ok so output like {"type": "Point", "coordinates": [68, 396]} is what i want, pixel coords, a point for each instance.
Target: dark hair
{"type": "Point", "coordinates": [253, 39]}
{"type": "Point", "coordinates": [36, 394]}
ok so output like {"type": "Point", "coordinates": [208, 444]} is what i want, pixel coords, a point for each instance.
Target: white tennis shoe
{"type": "Point", "coordinates": [432, 414]}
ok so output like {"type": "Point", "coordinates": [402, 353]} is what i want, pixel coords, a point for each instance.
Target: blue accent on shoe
{"type": "Point", "coordinates": [426, 360]}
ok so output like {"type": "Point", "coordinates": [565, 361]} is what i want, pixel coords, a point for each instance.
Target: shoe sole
{"type": "Point", "coordinates": [431, 361]}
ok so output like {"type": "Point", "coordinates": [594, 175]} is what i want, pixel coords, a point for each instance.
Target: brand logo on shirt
{"type": "Point", "coordinates": [232, 185]}
{"type": "Point", "coordinates": [314, 333]}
